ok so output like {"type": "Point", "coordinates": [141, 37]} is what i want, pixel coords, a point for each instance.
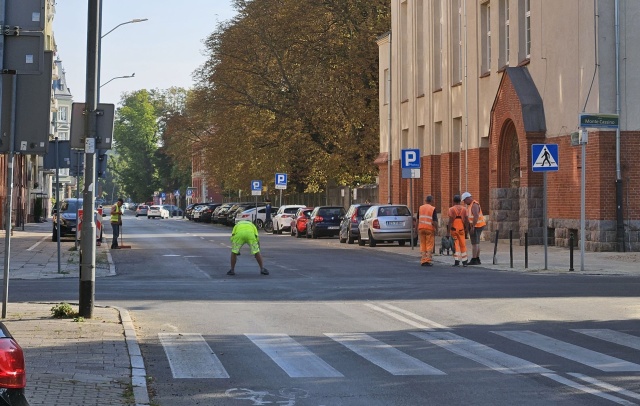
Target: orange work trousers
{"type": "Point", "coordinates": [460, 243]}
{"type": "Point", "coordinates": [427, 242]}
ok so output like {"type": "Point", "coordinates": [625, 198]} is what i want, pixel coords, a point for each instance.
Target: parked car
{"type": "Point", "coordinates": [221, 215]}
{"type": "Point", "coordinates": [142, 210]}
{"type": "Point", "coordinates": [299, 222]}
{"type": "Point", "coordinates": [283, 217]}
{"type": "Point", "coordinates": [196, 214]}
{"type": "Point", "coordinates": [214, 215]}
{"type": "Point", "coordinates": [325, 221]}
{"type": "Point", "coordinates": [207, 212]}
{"type": "Point", "coordinates": [387, 223]}
{"type": "Point", "coordinates": [13, 378]}
{"type": "Point", "coordinates": [174, 211]}
{"type": "Point", "coordinates": [189, 210]}
{"type": "Point", "coordinates": [349, 231]}
{"type": "Point", "coordinates": [154, 211]}
{"type": "Point", "coordinates": [238, 208]}
{"type": "Point", "coordinates": [250, 215]}
{"type": "Point", "coordinates": [68, 219]}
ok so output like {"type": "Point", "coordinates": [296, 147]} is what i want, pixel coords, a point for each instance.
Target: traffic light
{"type": "Point", "coordinates": [101, 163]}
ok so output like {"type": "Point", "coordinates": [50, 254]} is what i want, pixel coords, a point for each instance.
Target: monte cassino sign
{"type": "Point", "coordinates": [598, 120]}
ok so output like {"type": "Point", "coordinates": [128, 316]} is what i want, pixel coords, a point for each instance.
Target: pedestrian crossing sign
{"type": "Point", "coordinates": [544, 157]}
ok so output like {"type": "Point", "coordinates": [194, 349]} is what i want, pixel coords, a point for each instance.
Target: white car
{"type": "Point", "coordinates": [250, 215]}
{"type": "Point", "coordinates": [284, 216]}
{"type": "Point", "coordinates": [154, 211]}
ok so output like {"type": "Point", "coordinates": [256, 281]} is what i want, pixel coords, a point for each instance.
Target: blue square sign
{"type": "Point", "coordinates": [544, 157]}
{"type": "Point", "coordinates": [281, 180]}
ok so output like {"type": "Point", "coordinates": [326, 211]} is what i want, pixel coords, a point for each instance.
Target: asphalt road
{"type": "Point", "coordinates": [338, 324]}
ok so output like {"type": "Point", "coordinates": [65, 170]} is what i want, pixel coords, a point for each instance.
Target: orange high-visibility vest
{"type": "Point", "coordinates": [481, 220]}
{"type": "Point", "coordinates": [425, 218]}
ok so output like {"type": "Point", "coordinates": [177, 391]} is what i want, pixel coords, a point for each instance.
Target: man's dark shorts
{"type": "Point", "coordinates": [475, 237]}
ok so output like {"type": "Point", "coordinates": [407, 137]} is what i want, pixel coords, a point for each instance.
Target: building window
{"type": "Point", "coordinates": [437, 40]}
{"type": "Point", "coordinates": [456, 42]}
{"type": "Point", "coordinates": [504, 57]}
{"type": "Point", "coordinates": [387, 85]}
{"type": "Point", "coordinates": [421, 66]}
{"type": "Point", "coordinates": [485, 26]}
{"type": "Point", "coordinates": [63, 114]}
{"type": "Point", "coordinates": [63, 136]}
{"type": "Point", "coordinates": [524, 30]}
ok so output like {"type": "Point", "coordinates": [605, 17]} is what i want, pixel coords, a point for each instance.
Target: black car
{"type": "Point", "coordinates": [207, 212]}
{"type": "Point", "coordinates": [230, 220]}
{"type": "Point", "coordinates": [68, 218]}
{"type": "Point", "coordinates": [221, 213]}
{"type": "Point", "coordinates": [325, 221]}
{"type": "Point", "coordinates": [13, 378]}
{"type": "Point", "coordinates": [188, 212]}
{"type": "Point", "coordinates": [349, 231]}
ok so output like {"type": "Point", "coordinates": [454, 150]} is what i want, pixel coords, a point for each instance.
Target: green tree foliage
{"type": "Point", "coordinates": [289, 86]}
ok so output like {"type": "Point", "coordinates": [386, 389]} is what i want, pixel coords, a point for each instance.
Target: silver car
{"type": "Point", "coordinates": [387, 223]}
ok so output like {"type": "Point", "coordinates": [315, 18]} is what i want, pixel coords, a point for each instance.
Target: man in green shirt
{"type": "Point", "coordinates": [245, 232]}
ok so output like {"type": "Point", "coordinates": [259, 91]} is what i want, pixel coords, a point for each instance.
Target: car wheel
{"type": "Point", "coordinates": [275, 229]}
{"type": "Point", "coordinates": [314, 234]}
{"type": "Point", "coordinates": [308, 233]}
{"type": "Point", "coordinates": [401, 243]}
{"type": "Point", "coordinates": [350, 239]}
{"type": "Point", "coordinates": [361, 242]}
{"type": "Point", "coordinates": [259, 223]}
{"type": "Point", "coordinates": [54, 235]}
{"type": "Point", "coordinates": [372, 241]}
{"type": "Point", "coordinates": [298, 235]}
{"type": "Point", "coordinates": [342, 240]}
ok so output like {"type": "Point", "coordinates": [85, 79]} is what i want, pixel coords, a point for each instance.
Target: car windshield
{"type": "Point", "coordinates": [362, 210]}
{"type": "Point", "coordinates": [330, 212]}
{"type": "Point", "coordinates": [291, 210]}
{"type": "Point", "coordinates": [71, 205]}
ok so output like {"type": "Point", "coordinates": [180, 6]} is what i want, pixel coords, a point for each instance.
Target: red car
{"type": "Point", "coordinates": [299, 222]}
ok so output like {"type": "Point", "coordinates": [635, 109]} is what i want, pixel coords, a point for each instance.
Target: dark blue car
{"type": "Point", "coordinates": [324, 221]}
{"type": "Point", "coordinates": [349, 231]}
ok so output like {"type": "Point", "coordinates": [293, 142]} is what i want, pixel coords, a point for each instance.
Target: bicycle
{"type": "Point", "coordinates": [268, 226]}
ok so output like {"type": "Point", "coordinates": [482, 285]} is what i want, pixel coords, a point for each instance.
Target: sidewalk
{"type": "Point", "coordinates": [95, 361]}
{"type": "Point", "coordinates": [98, 361]}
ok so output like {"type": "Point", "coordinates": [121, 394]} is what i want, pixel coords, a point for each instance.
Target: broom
{"type": "Point", "coordinates": [122, 239]}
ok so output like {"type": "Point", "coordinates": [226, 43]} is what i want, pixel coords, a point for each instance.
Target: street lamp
{"type": "Point", "coordinates": [118, 77]}
{"type": "Point", "coordinates": [135, 20]}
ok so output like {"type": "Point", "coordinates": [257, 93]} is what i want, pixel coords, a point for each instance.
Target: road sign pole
{"type": "Point", "coordinates": [583, 179]}
{"type": "Point", "coordinates": [545, 231]}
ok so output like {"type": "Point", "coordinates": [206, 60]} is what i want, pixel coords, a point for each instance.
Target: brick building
{"type": "Point", "coordinates": [473, 84]}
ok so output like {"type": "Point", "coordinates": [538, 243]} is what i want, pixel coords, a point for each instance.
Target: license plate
{"type": "Point", "coordinates": [395, 223]}
{"type": "Point", "coordinates": [333, 227]}
{"type": "Point", "coordinates": [73, 230]}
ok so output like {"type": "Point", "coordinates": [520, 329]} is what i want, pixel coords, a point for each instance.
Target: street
{"type": "Point", "coordinates": [338, 324]}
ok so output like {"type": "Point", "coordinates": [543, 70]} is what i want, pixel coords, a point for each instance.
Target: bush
{"type": "Point", "coordinates": [63, 311]}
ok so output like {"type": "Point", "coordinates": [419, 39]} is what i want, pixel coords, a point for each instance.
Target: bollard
{"type": "Point", "coordinates": [571, 252]}
{"type": "Point", "coordinates": [495, 249]}
{"type": "Point", "coordinates": [510, 248]}
{"type": "Point", "coordinates": [526, 251]}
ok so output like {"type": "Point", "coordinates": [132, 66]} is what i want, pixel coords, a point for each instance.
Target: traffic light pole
{"type": "Point", "coordinates": [88, 242]}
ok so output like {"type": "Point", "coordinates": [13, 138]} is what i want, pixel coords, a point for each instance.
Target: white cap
{"type": "Point", "coordinates": [465, 195]}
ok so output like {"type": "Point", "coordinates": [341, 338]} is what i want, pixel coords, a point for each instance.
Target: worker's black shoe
{"type": "Point", "coordinates": [457, 263]}
{"type": "Point", "coordinates": [231, 272]}
{"type": "Point", "coordinates": [264, 271]}
{"type": "Point", "coordinates": [473, 262]}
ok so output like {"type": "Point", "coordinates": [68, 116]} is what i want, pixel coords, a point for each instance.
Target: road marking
{"type": "Point", "coordinates": [398, 317]}
{"type": "Point", "coordinates": [190, 356]}
{"type": "Point", "coordinates": [431, 323]}
{"type": "Point", "coordinates": [296, 360]}
{"type": "Point", "coordinates": [572, 352]}
{"type": "Point", "coordinates": [605, 385]}
{"type": "Point", "coordinates": [383, 355]}
{"type": "Point", "coordinates": [31, 248]}
{"type": "Point", "coordinates": [624, 339]}
{"type": "Point", "coordinates": [494, 359]}
{"type": "Point", "coordinates": [586, 389]}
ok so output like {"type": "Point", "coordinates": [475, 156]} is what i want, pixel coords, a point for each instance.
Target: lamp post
{"type": "Point", "coordinates": [117, 77]}
{"type": "Point", "coordinates": [135, 20]}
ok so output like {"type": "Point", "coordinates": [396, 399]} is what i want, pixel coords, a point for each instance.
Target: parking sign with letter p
{"type": "Point", "coordinates": [281, 180]}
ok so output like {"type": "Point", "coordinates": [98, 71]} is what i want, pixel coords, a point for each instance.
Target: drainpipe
{"type": "Point", "coordinates": [619, 213]}
{"type": "Point", "coordinates": [466, 102]}
{"type": "Point", "coordinates": [389, 126]}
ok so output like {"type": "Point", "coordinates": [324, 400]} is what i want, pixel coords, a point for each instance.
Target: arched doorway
{"type": "Point", "coordinates": [507, 203]}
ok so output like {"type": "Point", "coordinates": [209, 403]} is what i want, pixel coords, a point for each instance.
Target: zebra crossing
{"type": "Point", "coordinates": [189, 354]}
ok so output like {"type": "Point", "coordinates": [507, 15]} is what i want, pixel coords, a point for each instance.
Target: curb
{"type": "Point", "coordinates": [138, 371]}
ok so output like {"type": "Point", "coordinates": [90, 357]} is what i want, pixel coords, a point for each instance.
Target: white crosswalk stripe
{"type": "Point", "coordinates": [494, 359]}
{"type": "Point", "coordinates": [296, 360]}
{"type": "Point", "coordinates": [383, 355]}
{"type": "Point", "coordinates": [612, 336]}
{"type": "Point", "coordinates": [190, 356]}
{"type": "Point", "coordinates": [572, 352]}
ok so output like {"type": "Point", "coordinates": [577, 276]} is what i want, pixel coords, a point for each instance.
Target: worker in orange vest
{"type": "Point", "coordinates": [477, 223]}
{"type": "Point", "coordinates": [458, 224]}
{"type": "Point", "coordinates": [427, 229]}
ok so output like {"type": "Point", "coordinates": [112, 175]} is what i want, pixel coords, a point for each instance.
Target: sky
{"type": "Point", "coordinates": [162, 52]}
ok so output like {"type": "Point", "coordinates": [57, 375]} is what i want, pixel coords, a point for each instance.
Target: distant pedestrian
{"type": "Point", "coordinates": [245, 232]}
{"type": "Point", "coordinates": [458, 224]}
{"type": "Point", "coordinates": [427, 229]}
{"type": "Point", "coordinates": [477, 224]}
{"type": "Point", "coordinates": [116, 222]}
{"type": "Point", "coordinates": [267, 211]}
